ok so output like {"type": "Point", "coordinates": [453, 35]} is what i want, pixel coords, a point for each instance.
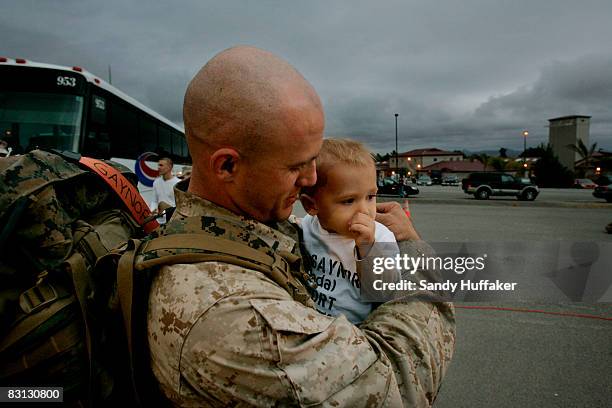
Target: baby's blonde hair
{"type": "Point", "coordinates": [339, 151]}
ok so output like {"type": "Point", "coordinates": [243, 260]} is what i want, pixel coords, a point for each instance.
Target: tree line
{"type": "Point", "coordinates": [547, 170]}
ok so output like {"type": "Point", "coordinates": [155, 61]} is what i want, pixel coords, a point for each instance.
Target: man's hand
{"type": "Point", "coordinates": [363, 229]}
{"type": "Point", "coordinates": [393, 217]}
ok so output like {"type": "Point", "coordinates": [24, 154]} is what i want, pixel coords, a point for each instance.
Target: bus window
{"type": "Point", "coordinates": [177, 147]}
{"type": "Point", "coordinates": [98, 109]}
{"type": "Point", "coordinates": [147, 134]}
{"type": "Point", "coordinates": [181, 147]}
{"type": "Point", "coordinates": [97, 144]}
{"type": "Point", "coordinates": [31, 120]}
{"type": "Point", "coordinates": [165, 141]}
{"type": "Point", "coordinates": [123, 130]}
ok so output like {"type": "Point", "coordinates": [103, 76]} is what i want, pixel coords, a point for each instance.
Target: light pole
{"type": "Point", "coordinates": [525, 134]}
{"type": "Point", "coordinates": [396, 153]}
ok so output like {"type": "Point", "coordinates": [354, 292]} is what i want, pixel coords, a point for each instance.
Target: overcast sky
{"type": "Point", "coordinates": [469, 74]}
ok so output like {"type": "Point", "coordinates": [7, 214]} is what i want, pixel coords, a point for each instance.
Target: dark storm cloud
{"type": "Point", "coordinates": [582, 86]}
{"type": "Point", "coordinates": [470, 74]}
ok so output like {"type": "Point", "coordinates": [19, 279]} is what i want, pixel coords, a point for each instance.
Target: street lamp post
{"type": "Point", "coordinates": [396, 153]}
{"type": "Point", "coordinates": [525, 134]}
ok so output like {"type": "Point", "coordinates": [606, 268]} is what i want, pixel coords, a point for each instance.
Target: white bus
{"type": "Point", "coordinates": [68, 108]}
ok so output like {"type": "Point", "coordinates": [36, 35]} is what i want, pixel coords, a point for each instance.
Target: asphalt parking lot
{"type": "Point", "coordinates": [510, 359]}
{"type": "Point", "coordinates": [548, 197]}
{"type": "Point", "coordinates": [522, 359]}
{"type": "Point", "coordinates": [512, 221]}
{"type": "Point", "coordinates": [518, 352]}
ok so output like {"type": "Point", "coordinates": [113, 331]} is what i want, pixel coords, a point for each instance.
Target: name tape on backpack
{"type": "Point", "coordinates": [128, 193]}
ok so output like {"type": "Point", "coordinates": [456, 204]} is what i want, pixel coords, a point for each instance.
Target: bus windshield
{"type": "Point", "coordinates": [30, 120]}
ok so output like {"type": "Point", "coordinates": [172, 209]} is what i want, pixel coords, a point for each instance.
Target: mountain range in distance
{"type": "Point", "coordinates": [509, 152]}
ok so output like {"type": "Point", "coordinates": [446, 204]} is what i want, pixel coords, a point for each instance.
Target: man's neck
{"type": "Point", "coordinates": [167, 176]}
{"type": "Point", "coordinates": [216, 195]}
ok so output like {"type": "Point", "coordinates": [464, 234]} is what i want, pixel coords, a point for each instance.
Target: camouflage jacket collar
{"type": "Point", "coordinates": [243, 228]}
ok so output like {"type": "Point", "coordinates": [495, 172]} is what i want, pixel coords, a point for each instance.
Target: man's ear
{"type": "Point", "coordinates": [309, 204]}
{"type": "Point", "coordinates": [224, 163]}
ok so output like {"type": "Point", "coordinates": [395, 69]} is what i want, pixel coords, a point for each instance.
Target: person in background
{"type": "Point", "coordinates": [163, 188]}
{"type": "Point", "coordinates": [4, 149]}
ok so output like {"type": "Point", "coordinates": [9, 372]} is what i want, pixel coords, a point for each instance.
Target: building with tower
{"type": "Point", "coordinates": [567, 130]}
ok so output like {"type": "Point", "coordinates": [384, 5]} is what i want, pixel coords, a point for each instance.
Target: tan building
{"type": "Point", "coordinates": [461, 169]}
{"type": "Point", "coordinates": [416, 160]}
{"type": "Point", "coordinates": [567, 130]}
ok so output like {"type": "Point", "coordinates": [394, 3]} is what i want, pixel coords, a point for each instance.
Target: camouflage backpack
{"type": "Point", "coordinates": [60, 323]}
{"type": "Point", "coordinates": [75, 269]}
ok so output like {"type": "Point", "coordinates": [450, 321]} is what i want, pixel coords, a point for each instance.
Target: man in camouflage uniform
{"type": "Point", "coordinates": [224, 335]}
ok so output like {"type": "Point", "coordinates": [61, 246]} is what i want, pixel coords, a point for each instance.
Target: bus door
{"type": "Point", "coordinates": [96, 141]}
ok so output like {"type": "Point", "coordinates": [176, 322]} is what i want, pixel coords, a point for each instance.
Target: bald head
{"type": "Point", "coordinates": [254, 127]}
{"type": "Point", "coordinates": [238, 97]}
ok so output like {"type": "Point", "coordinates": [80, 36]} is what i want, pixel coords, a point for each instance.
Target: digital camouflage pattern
{"type": "Point", "coordinates": [59, 192]}
{"type": "Point", "coordinates": [223, 335]}
{"type": "Point", "coordinates": [283, 266]}
{"type": "Point", "coordinates": [56, 220]}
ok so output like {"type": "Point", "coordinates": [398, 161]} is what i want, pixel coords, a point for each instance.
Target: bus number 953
{"type": "Point", "coordinates": [66, 81]}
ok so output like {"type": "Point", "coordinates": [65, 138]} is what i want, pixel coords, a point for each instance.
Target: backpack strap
{"type": "Point", "coordinates": [138, 258]}
{"type": "Point", "coordinates": [126, 191]}
{"type": "Point", "coordinates": [18, 354]}
{"type": "Point", "coordinates": [126, 293]}
{"type": "Point", "coordinates": [132, 291]}
{"type": "Point", "coordinates": [202, 247]}
{"type": "Point", "coordinates": [24, 326]}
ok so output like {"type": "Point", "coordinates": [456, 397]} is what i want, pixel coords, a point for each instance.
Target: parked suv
{"type": "Point", "coordinates": [485, 184]}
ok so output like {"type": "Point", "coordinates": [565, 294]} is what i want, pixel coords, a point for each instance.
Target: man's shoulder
{"type": "Point", "coordinates": [214, 279]}
{"type": "Point", "coordinates": [214, 291]}
{"type": "Point", "coordinates": [209, 291]}
{"type": "Point", "coordinates": [193, 290]}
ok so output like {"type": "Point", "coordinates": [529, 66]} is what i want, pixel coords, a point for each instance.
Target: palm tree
{"type": "Point", "coordinates": [586, 153]}
{"type": "Point", "coordinates": [484, 158]}
{"type": "Point", "coordinates": [499, 163]}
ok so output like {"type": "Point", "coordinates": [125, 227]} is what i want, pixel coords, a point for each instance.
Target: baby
{"type": "Point", "coordinates": [340, 229]}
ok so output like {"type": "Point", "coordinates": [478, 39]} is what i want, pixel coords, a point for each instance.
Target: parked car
{"type": "Point", "coordinates": [604, 179]}
{"type": "Point", "coordinates": [424, 180]}
{"type": "Point", "coordinates": [604, 192]}
{"type": "Point", "coordinates": [485, 184]}
{"type": "Point", "coordinates": [450, 181]}
{"type": "Point", "coordinates": [584, 183]}
{"type": "Point", "coordinates": [393, 187]}
{"type": "Point", "coordinates": [436, 176]}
